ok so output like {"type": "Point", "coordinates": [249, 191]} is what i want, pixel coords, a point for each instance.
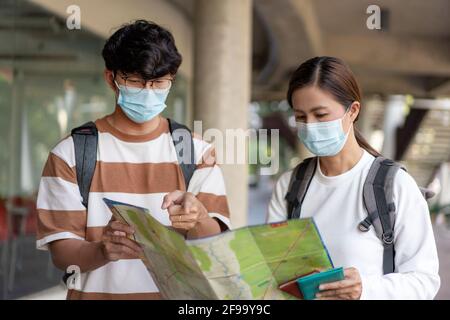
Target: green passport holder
{"type": "Point", "coordinates": [309, 285]}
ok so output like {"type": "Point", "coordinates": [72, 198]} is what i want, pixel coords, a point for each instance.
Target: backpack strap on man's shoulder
{"type": "Point", "coordinates": [379, 201]}
{"type": "Point", "coordinates": [184, 147]}
{"type": "Point", "coordinates": [85, 141]}
{"type": "Point", "coordinates": [298, 186]}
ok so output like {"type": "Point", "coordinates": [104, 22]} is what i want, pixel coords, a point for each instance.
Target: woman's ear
{"type": "Point", "coordinates": [354, 110]}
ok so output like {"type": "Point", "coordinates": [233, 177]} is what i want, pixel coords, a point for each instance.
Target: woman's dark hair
{"type": "Point", "coordinates": [142, 47]}
{"type": "Point", "coordinates": [335, 77]}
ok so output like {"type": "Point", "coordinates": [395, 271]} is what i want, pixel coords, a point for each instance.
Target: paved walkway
{"type": "Point", "coordinates": [35, 272]}
{"type": "Point", "coordinates": [53, 293]}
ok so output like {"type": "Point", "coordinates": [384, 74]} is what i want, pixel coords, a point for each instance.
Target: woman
{"type": "Point", "coordinates": [326, 100]}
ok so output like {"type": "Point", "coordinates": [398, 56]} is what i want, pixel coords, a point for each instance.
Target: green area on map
{"type": "Point", "coordinates": [246, 263]}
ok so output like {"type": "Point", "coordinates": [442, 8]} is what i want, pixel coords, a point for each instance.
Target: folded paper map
{"type": "Point", "coordinates": [245, 263]}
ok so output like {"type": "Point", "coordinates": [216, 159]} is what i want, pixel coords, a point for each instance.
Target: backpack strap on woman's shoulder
{"type": "Point", "coordinates": [378, 198]}
{"type": "Point", "coordinates": [298, 186]}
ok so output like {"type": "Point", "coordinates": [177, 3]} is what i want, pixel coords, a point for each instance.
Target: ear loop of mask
{"type": "Point", "coordinates": [342, 122]}
{"type": "Point", "coordinates": [117, 86]}
{"type": "Point", "coordinates": [115, 82]}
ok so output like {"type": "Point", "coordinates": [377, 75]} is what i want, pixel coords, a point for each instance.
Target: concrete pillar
{"type": "Point", "coordinates": [222, 81]}
{"type": "Point", "coordinates": [444, 194]}
{"type": "Point", "coordinates": [394, 116]}
{"type": "Point", "coordinates": [15, 134]}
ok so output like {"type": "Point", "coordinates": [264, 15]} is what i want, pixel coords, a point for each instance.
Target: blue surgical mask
{"type": "Point", "coordinates": [142, 105]}
{"type": "Point", "coordinates": [324, 139]}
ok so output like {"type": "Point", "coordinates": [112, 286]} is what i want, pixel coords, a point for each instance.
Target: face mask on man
{"type": "Point", "coordinates": [324, 139]}
{"type": "Point", "coordinates": [141, 105]}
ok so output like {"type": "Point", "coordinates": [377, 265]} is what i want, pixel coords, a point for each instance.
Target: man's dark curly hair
{"type": "Point", "coordinates": [142, 47]}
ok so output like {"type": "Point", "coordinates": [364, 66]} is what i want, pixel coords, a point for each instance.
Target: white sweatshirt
{"type": "Point", "coordinates": [336, 204]}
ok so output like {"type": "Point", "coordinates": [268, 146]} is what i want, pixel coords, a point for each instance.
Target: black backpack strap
{"type": "Point", "coordinates": [184, 147]}
{"type": "Point", "coordinates": [85, 140]}
{"type": "Point", "coordinates": [379, 202]}
{"type": "Point", "coordinates": [298, 186]}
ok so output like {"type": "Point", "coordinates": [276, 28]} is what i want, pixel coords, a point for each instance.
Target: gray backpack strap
{"type": "Point", "coordinates": [379, 201]}
{"type": "Point", "coordinates": [184, 147]}
{"type": "Point", "coordinates": [85, 140]}
{"type": "Point", "coordinates": [298, 186]}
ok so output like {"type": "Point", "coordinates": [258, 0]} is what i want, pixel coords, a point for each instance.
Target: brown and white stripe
{"type": "Point", "coordinates": [139, 170]}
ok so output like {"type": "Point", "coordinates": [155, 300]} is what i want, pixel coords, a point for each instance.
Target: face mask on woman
{"type": "Point", "coordinates": [142, 105]}
{"type": "Point", "coordinates": [324, 139]}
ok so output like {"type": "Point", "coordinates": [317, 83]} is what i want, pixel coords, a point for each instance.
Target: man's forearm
{"type": "Point", "coordinates": [86, 255]}
{"type": "Point", "coordinates": [204, 228]}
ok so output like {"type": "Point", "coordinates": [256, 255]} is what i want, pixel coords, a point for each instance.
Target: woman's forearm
{"type": "Point", "coordinates": [400, 286]}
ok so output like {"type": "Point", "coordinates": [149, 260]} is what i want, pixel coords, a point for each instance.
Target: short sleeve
{"type": "Point", "coordinates": [61, 214]}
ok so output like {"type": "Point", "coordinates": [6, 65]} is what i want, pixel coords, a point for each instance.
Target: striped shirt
{"type": "Point", "coordinates": [139, 170]}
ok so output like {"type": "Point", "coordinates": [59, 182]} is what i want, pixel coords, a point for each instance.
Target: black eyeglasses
{"type": "Point", "coordinates": [135, 84]}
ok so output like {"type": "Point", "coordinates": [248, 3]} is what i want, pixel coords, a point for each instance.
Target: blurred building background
{"type": "Point", "coordinates": [237, 59]}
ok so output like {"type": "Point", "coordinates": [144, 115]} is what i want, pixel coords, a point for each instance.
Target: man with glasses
{"type": "Point", "coordinates": [136, 162]}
